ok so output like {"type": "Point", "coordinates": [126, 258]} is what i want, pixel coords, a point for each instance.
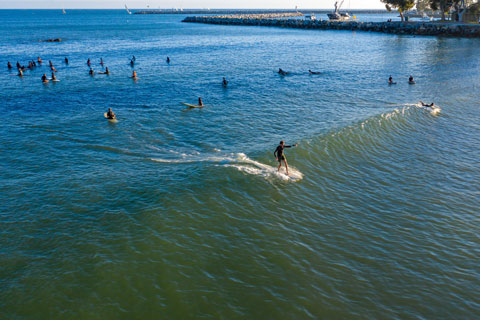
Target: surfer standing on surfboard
{"type": "Point", "coordinates": [280, 156]}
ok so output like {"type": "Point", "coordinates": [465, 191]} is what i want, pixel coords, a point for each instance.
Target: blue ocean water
{"type": "Point", "coordinates": [176, 213]}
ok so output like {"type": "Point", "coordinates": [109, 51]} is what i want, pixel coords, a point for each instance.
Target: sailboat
{"type": "Point", "coordinates": [337, 15]}
{"type": "Point", "coordinates": [63, 11]}
{"type": "Point", "coordinates": [128, 11]}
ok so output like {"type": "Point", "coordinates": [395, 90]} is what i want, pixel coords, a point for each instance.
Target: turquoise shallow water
{"type": "Point", "coordinates": [179, 214]}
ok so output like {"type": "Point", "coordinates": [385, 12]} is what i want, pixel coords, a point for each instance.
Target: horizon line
{"type": "Point", "coordinates": [206, 9]}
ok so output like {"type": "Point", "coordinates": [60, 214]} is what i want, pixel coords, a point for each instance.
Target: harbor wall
{"type": "Point", "coordinates": [408, 28]}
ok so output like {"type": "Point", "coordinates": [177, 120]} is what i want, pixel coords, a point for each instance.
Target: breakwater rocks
{"type": "Point", "coordinates": [52, 40]}
{"type": "Point", "coordinates": [258, 16]}
{"type": "Point", "coordinates": [407, 28]}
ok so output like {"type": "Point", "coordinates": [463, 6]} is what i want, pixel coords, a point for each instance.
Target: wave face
{"type": "Point", "coordinates": [180, 213]}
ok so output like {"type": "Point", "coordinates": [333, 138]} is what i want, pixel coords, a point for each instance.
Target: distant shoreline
{"type": "Point", "coordinates": [251, 11]}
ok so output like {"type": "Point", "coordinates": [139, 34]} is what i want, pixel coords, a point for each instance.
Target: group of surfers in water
{"type": "Point", "coordinates": [410, 80]}
{"type": "Point", "coordinates": [279, 152]}
{"type": "Point", "coordinates": [285, 73]}
{"type": "Point", "coordinates": [32, 64]}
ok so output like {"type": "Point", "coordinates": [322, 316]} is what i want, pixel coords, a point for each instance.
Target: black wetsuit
{"type": "Point", "coordinates": [279, 152]}
{"type": "Point", "coordinates": [110, 115]}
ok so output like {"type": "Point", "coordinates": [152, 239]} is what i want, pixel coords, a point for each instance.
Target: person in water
{"type": "Point", "coordinates": [224, 82]}
{"type": "Point", "coordinates": [91, 72]}
{"type": "Point", "coordinates": [66, 60]}
{"type": "Point", "coordinates": [134, 59]}
{"type": "Point", "coordinates": [431, 105]}
{"type": "Point", "coordinates": [390, 79]}
{"type": "Point", "coordinates": [53, 69]}
{"type": "Point", "coordinates": [39, 60]}
{"type": "Point", "coordinates": [132, 63]}
{"type": "Point", "coordinates": [20, 72]}
{"type": "Point", "coordinates": [18, 65]}
{"type": "Point", "coordinates": [200, 102]}
{"type": "Point", "coordinates": [168, 60]}
{"type": "Point", "coordinates": [9, 65]}
{"type": "Point", "coordinates": [101, 61]}
{"type": "Point", "coordinates": [410, 79]}
{"type": "Point", "coordinates": [110, 114]}
{"type": "Point", "coordinates": [280, 71]}
{"type": "Point", "coordinates": [134, 74]}
{"type": "Point", "coordinates": [50, 63]}
{"type": "Point", "coordinates": [53, 76]}
{"type": "Point", "coordinates": [107, 71]}
{"type": "Point", "coordinates": [280, 156]}
{"type": "Point", "coordinates": [44, 78]}
{"type": "Point", "coordinates": [88, 62]}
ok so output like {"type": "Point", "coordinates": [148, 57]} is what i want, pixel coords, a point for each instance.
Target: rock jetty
{"type": "Point", "coordinates": [407, 28]}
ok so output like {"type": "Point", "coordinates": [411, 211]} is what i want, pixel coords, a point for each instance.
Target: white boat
{"type": "Point", "coordinates": [337, 15]}
{"type": "Point", "coordinates": [128, 11]}
{"type": "Point", "coordinates": [425, 17]}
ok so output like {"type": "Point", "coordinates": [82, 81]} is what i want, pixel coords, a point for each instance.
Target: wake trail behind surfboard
{"type": "Point", "coordinates": [243, 163]}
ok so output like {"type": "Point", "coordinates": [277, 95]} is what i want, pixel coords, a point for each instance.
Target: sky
{"type": "Point", "coordinates": [187, 4]}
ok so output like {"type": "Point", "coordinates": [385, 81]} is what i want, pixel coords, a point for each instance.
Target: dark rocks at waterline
{"type": "Point", "coordinates": [407, 28]}
{"type": "Point", "coordinates": [52, 40]}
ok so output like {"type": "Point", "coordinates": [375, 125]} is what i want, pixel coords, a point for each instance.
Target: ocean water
{"type": "Point", "coordinates": [172, 213]}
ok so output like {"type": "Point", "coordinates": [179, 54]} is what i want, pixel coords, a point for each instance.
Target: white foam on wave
{"type": "Point", "coordinates": [435, 110]}
{"type": "Point", "coordinates": [249, 166]}
{"type": "Point", "coordinates": [242, 163]}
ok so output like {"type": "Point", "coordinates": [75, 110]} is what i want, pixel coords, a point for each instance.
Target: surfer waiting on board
{"type": "Point", "coordinates": [66, 60]}
{"type": "Point", "coordinates": [410, 79]}
{"type": "Point", "coordinates": [168, 60]}
{"type": "Point", "coordinates": [44, 78]}
{"type": "Point", "coordinates": [134, 74]}
{"type": "Point", "coordinates": [280, 71]}
{"type": "Point", "coordinates": [110, 114]}
{"type": "Point", "coordinates": [224, 82]}
{"type": "Point", "coordinates": [91, 72]}
{"type": "Point", "coordinates": [9, 65]}
{"type": "Point", "coordinates": [390, 79]}
{"type": "Point", "coordinates": [280, 156]}
{"type": "Point", "coordinates": [88, 62]}
{"type": "Point", "coordinates": [54, 78]}
{"type": "Point", "coordinates": [200, 102]}
{"type": "Point", "coordinates": [20, 73]}
{"type": "Point", "coordinates": [107, 71]}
